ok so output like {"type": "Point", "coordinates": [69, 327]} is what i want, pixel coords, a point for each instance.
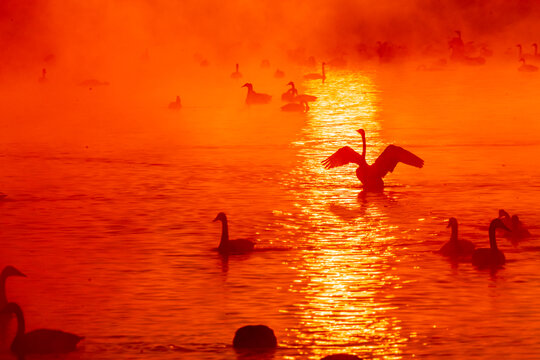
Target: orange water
{"type": "Point", "coordinates": [110, 206]}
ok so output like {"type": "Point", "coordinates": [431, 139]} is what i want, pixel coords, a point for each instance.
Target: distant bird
{"type": "Point", "coordinates": [42, 341]}
{"type": "Point", "coordinates": [279, 74]}
{"type": "Point", "coordinates": [254, 97]}
{"type": "Point", "coordinates": [296, 107]}
{"type": "Point", "coordinates": [175, 105]}
{"type": "Point", "coordinates": [517, 231]}
{"type": "Point", "coordinates": [527, 67]}
{"type": "Point", "coordinates": [43, 77]}
{"type": "Point", "coordinates": [316, 76]}
{"type": "Point", "coordinates": [536, 55]}
{"type": "Point", "coordinates": [226, 246]}
{"type": "Point", "coordinates": [7, 272]}
{"type": "Point", "coordinates": [371, 176]}
{"type": "Point", "coordinates": [456, 247]}
{"type": "Point", "coordinates": [290, 95]}
{"type": "Point", "coordinates": [237, 74]}
{"type": "Point", "coordinates": [522, 55]}
{"type": "Point", "coordinates": [490, 257]}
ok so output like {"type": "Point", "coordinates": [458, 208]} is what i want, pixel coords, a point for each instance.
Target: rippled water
{"type": "Point", "coordinates": [111, 220]}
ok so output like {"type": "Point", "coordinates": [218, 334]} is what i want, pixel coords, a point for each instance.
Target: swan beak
{"type": "Point", "coordinates": [448, 225]}
{"type": "Point", "coordinates": [216, 219]}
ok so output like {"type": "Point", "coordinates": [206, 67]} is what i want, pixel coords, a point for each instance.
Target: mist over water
{"type": "Point", "coordinates": [111, 194]}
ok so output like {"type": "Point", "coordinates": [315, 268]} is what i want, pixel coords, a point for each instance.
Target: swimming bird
{"type": "Point", "coordinates": [517, 230]}
{"type": "Point", "coordinates": [527, 67]}
{"type": "Point", "coordinates": [371, 176]}
{"type": "Point", "coordinates": [454, 247]}
{"type": "Point", "coordinates": [316, 76]}
{"type": "Point", "coordinates": [254, 97]}
{"type": "Point", "coordinates": [296, 107]}
{"type": "Point", "coordinates": [175, 105]}
{"type": "Point", "coordinates": [7, 272]}
{"type": "Point", "coordinates": [490, 257]}
{"type": "Point", "coordinates": [226, 246]}
{"type": "Point", "coordinates": [41, 341]}
{"type": "Point", "coordinates": [290, 94]}
{"type": "Point", "coordinates": [237, 74]}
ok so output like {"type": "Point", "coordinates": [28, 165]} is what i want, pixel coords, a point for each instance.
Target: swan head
{"type": "Point", "coordinates": [503, 213]}
{"type": "Point", "coordinates": [361, 132]}
{"type": "Point", "coordinates": [248, 85]}
{"type": "Point", "coordinates": [497, 223]}
{"type": "Point", "coordinates": [11, 308]}
{"type": "Point", "coordinates": [535, 45]}
{"type": "Point", "coordinates": [220, 217]}
{"type": "Point", "coordinates": [452, 222]}
{"type": "Point", "coordinates": [458, 32]}
{"type": "Point", "coordinates": [291, 83]}
{"type": "Point", "coordinates": [11, 271]}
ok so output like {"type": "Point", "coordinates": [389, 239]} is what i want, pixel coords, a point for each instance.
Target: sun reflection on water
{"type": "Point", "coordinates": [343, 274]}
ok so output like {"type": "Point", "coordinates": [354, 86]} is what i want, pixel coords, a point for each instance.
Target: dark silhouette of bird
{"type": "Point", "coordinates": [254, 97]}
{"type": "Point", "coordinates": [456, 247]}
{"type": "Point", "coordinates": [527, 67]}
{"type": "Point", "coordinates": [7, 272]}
{"type": "Point", "coordinates": [290, 94]}
{"type": "Point", "coordinates": [228, 247]}
{"type": "Point", "coordinates": [371, 176]}
{"type": "Point", "coordinates": [316, 76]}
{"type": "Point", "coordinates": [237, 74]}
{"type": "Point", "coordinates": [296, 107]}
{"type": "Point", "coordinates": [518, 230]}
{"type": "Point", "coordinates": [279, 74]}
{"type": "Point", "coordinates": [490, 257]}
{"type": "Point", "coordinates": [43, 77]}
{"type": "Point", "coordinates": [41, 341]}
{"type": "Point", "coordinates": [175, 105]}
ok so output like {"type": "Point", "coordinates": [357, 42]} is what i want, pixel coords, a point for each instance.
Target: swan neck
{"type": "Point", "coordinates": [454, 236]}
{"type": "Point", "coordinates": [224, 233]}
{"type": "Point", "coordinates": [21, 328]}
{"type": "Point", "coordinates": [3, 298]}
{"type": "Point", "coordinates": [492, 240]}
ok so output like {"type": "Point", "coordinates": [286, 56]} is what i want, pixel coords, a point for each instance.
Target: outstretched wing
{"type": "Point", "coordinates": [343, 156]}
{"type": "Point", "coordinates": [391, 156]}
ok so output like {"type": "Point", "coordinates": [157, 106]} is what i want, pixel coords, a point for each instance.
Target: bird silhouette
{"type": "Point", "coordinates": [296, 107]}
{"type": "Point", "coordinates": [41, 341]}
{"type": "Point", "coordinates": [316, 76]}
{"type": "Point", "coordinates": [527, 67]}
{"type": "Point", "coordinates": [228, 247]}
{"type": "Point", "coordinates": [371, 176]}
{"type": "Point", "coordinates": [237, 74]}
{"type": "Point", "coordinates": [254, 97]}
{"type": "Point", "coordinates": [490, 257]}
{"type": "Point", "coordinates": [175, 105]}
{"type": "Point", "coordinates": [456, 247]}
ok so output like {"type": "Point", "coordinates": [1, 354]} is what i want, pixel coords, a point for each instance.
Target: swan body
{"type": "Point", "coordinates": [237, 74]}
{"type": "Point", "coordinates": [42, 341]}
{"type": "Point", "coordinates": [226, 246]}
{"type": "Point", "coordinates": [372, 175]}
{"type": "Point", "coordinates": [456, 247]}
{"type": "Point", "coordinates": [254, 97]}
{"type": "Point", "coordinates": [175, 105]}
{"type": "Point", "coordinates": [316, 76]}
{"type": "Point", "coordinates": [490, 257]}
{"type": "Point", "coordinates": [517, 229]}
{"type": "Point", "coordinates": [296, 107]}
{"type": "Point", "coordinates": [527, 67]}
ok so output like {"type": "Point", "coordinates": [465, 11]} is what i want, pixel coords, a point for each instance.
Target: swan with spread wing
{"type": "Point", "coordinates": [372, 175]}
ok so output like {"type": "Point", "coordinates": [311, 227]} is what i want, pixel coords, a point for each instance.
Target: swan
{"type": "Point", "coordinates": [536, 55]}
{"type": "Point", "coordinates": [527, 67]}
{"type": "Point", "coordinates": [226, 246]}
{"type": "Point", "coordinates": [41, 341]}
{"type": "Point", "coordinates": [279, 74]}
{"type": "Point", "coordinates": [7, 272]}
{"type": "Point", "coordinates": [371, 176]}
{"type": "Point", "coordinates": [492, 256]}
{"type": "Point", "coordinates": [455, 247]}
{"type": "Point", "coordinates": [316, 76]}
{"type": "Point", "coordinates": [290, 95]}
{"type": "Point", "coordinates": [256, 98]}
{"type": "Point", "coordinates": [296, 107]}
{"type": "Point", "coordinates": [177, 104]}
{"type": "Point", "coordinates": [237, 74]}
{"type": "Point", "coordinates": [43, 77]}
